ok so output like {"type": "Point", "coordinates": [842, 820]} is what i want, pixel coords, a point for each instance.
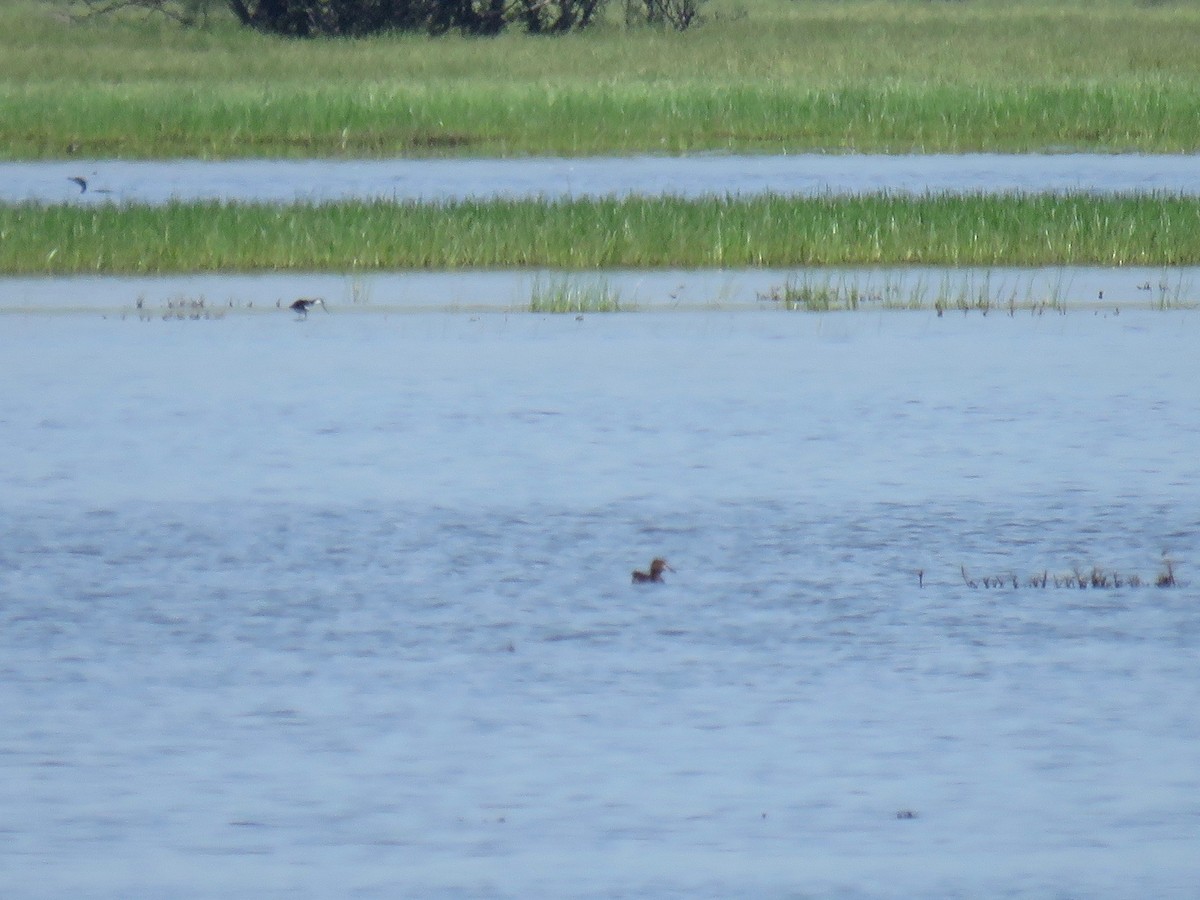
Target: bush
{"type": "Point", "coordinates": [313, 18]}
{"type": "Point", "coordinates": [678, 14]}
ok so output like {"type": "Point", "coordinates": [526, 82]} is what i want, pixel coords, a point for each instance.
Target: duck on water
{"type": "Point", "coordinates": [657, 566]}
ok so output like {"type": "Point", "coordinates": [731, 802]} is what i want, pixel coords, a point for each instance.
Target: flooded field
{"type": "Point", "coordinates": [285, 181]}
{"type": "Point", "coordinates": [341, 607]}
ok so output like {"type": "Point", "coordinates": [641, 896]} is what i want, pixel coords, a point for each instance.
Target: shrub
{"type": "Point", "coordinates": [313, 18]}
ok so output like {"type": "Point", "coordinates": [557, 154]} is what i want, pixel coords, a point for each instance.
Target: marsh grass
{"type": "Point", "coordinates": [762, 75]}
{"type": "Point", "coordinates": [1170, 293]}
{"type": "Point", "coordinates": [159, 121]}
{"type": "Point", "coordinates": [826, 292]}
{"type": "Point", "coordinates": [566, 294]}
{"type": "Point", "coordinates": [1076, 578]}
{"type": "Point", "coordinates": [181, 307]}
{"type": "Point", "coordinates": [581, 234]}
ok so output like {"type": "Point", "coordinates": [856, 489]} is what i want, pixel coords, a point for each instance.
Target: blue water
{"type": "Point", "coordinates": [1082, 288]}
{"type": "Point", "coordinates": [287, 181]}
{"type": "Point", "coordinates": [342, 607]}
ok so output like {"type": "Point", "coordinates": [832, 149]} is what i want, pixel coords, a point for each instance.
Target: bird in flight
{"type": "Point", "coordinates": [83, 185]}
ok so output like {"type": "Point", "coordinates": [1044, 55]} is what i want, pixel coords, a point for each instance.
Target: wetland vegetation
{"type": "Point", "coordinates": [576, 234]}
{"type": "Point", "coordinates": [563, 294]}
{"type": "Point", "coordinates": [757, 75]}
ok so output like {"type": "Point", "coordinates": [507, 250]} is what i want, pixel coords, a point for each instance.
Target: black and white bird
{"type": "Point", "coordinates": [304, 304]}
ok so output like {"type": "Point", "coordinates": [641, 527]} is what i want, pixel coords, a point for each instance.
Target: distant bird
{"type": "Point", "coordinates": [304, 304]}
{"type": "Point", "coordinates": [657, 566]}
{"type": "Point", "coordinates": [83, 185]}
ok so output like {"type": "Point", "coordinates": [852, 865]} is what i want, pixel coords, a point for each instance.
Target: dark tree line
{"type": "Point", "coordinates": [312, 18]}
{"type": "Point", "coordinates": [306, 18]}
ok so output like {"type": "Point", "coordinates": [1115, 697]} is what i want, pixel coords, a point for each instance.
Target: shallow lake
{"type": "Point", "coordinates": [285, 181]}
{"type": "Point", "coordinates": [1095, 288]}
{"type": "Point", "coordinates": [341, 607]}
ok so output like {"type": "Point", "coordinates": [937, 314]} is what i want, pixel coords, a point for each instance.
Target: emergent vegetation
{"type": "Point", "coordinates": [612, 233]}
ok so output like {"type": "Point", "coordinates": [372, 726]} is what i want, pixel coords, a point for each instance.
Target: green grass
{"type": "Point", "coordinates": [565, 294]}
{"type": "Point", "coordinates": [582, 234]}
{"type": "Point", "coordinates": [761, 75]}
{"type": "Point", "coordinates": [172, 121]}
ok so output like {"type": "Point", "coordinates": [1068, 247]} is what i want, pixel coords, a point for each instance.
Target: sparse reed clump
{"type": "Point", "coordinates": [817, 295]}
{"type": "Point", "coordinates": [1077, 578]}
{"type": "Point", "coordinates": [182, 307]}
{"type": "Point", "coordinates": [814, 292]}
{"type": "Point", "coordinates": [570, 295]}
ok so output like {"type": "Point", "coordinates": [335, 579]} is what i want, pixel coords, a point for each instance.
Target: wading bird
{"type": "Point", "coordinates": [304, 304]}
{"type": "Point", "coordinates": [657, 566]}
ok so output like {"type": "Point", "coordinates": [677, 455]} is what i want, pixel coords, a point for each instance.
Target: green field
{"type": "Point", "coordinates": [759, 75]}
{"type": "Point", "coordinates": [599, 234]}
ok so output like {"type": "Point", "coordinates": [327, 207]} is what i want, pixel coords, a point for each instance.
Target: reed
{"type": "Point", "coordinates": [824, 292]}
{"type": "Point", "coordinates": [581, 234]}
{"type": "Point", "coordinates": [761, 75]}
{"type": "Point", "coordinates": [1076, 578]}
{"type": "Point", "coordinates": [564, 294]}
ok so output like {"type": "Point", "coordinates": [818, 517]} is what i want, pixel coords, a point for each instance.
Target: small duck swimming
{"type": "Point", "coordinates": [304, 304]}
{"type": "Point", "coordinates": [657, 566]}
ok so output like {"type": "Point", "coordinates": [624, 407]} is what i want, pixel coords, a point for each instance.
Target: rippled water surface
{"type": "Point", "coordinates": [285, 181]}
{"type": "Point", "coordinates": [341, 607]}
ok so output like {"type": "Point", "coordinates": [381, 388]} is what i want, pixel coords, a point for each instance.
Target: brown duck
{"type": "Point", "coordinates": [657, 566]}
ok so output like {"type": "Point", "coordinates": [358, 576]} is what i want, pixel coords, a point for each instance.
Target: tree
{"type": "Point", "coordinates": [306, 18]}
{"type": "Point", "coordinates": [189, 12]}
{"type": "Point", "coordinates": [678, 14]}
{"type": "Point", "coordinates": [314, 18]}
{"type": "Point", "coordinates": [556, 16]}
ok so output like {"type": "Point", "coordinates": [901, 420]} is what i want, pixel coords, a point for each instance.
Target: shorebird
{"type": "Point", "coordinates": [657, 566]}
{"type": "Point", "coordinates": [304, 304]}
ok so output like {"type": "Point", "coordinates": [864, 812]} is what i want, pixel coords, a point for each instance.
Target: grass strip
{"type": "Point", "coordinates": [758, 75]}
{"type": "Point", "coordinates": [580, 234]}
{"type": "Point", "coordinates": [161, 121]}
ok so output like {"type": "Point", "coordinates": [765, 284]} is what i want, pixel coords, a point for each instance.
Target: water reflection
{"type": "Point", "coordinates": [503, 291]}
{"type": "Point", "coordinates": [285, 181]}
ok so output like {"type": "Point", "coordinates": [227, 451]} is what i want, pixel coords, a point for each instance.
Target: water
{"type": "Point", "coordinates": [286, 181]}
{"type": "Point", "coordinates": [1090, 287]}
{"type": "Point", "coordinates": [342, 607]}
